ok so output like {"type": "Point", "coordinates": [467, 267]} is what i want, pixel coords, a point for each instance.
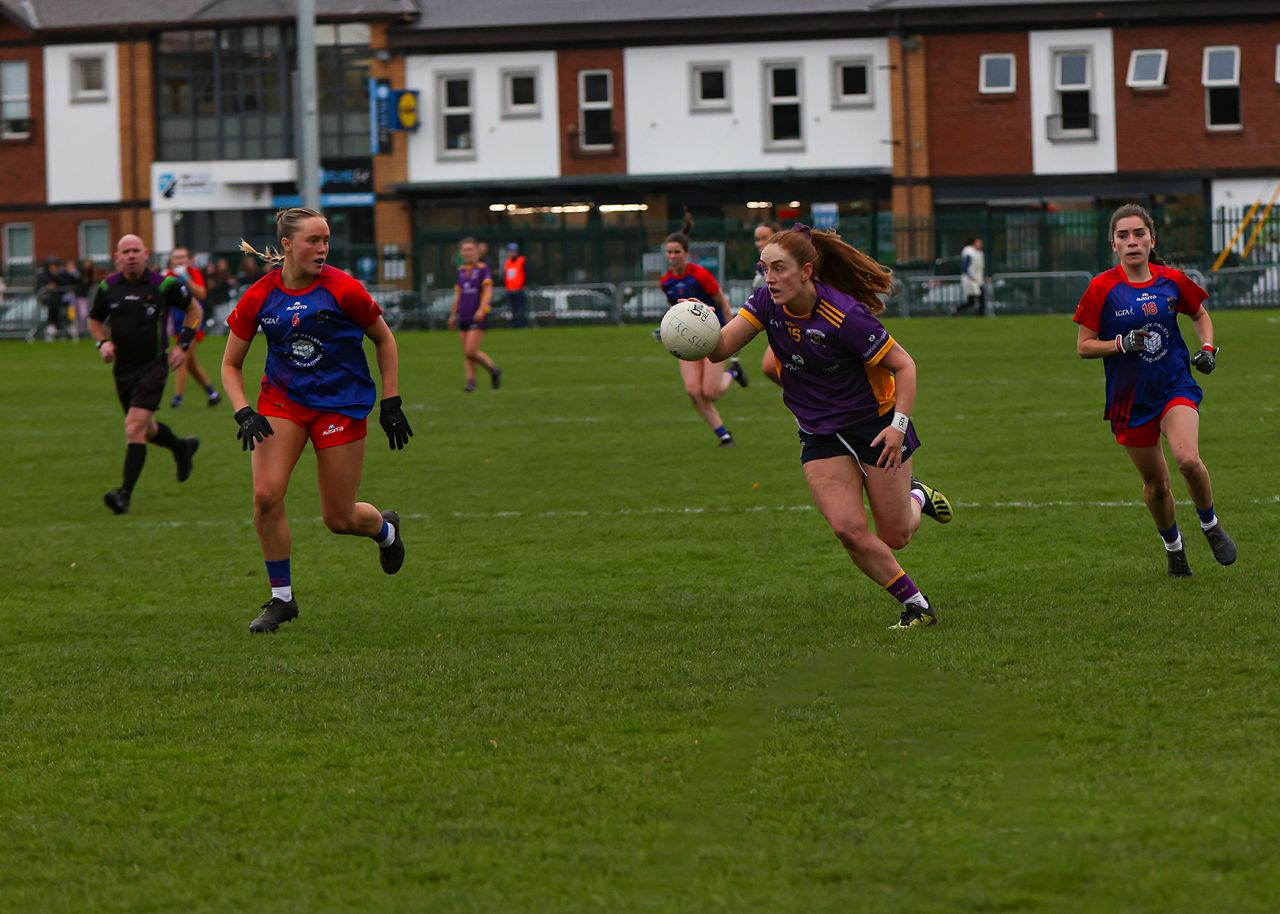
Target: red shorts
{"type": "Point", "coordinates": [1148, 434]}
{"type": "Point", "coordinates": [324, 429]}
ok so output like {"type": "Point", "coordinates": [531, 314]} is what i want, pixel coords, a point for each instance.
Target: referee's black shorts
{"type": "Point", "coordinates": [855, 441]}
{"type": "Point", "coordinates": [142, 386]}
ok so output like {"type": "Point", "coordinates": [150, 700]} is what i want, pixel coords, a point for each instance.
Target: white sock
{"type": "Point", "coordinates": [1209, 526]}
{"type": "Point", "coordinates": [282, 593]}
{"type": "Point", "coordinates": [917, 599]}
{"type": "Point", "coordinates": [918, 496]}
{"type": "Point", "coordinates": [1175, 546]}
{"type": "Point", "coordinates": [391, 536]}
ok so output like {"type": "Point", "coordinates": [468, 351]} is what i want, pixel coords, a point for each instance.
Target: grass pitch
{"type": "Point", "coordinates": [623, 670]}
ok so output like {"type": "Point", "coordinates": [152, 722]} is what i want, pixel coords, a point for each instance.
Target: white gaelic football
{"type": "Point", "coordinates": [690, 330]}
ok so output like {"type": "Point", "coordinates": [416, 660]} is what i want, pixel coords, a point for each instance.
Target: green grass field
{"type": "Point", "coordinates": [617, 676]}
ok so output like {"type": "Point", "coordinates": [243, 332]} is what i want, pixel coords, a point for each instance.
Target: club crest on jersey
{"type": "Point", "coordinates": [304, 351]}
{"type": "Point", "coordinates": [798, 359]}
{"type": "Point", "coordinates": [817, 337]}
{"type": "Point", "coordinates": [1153, 347]}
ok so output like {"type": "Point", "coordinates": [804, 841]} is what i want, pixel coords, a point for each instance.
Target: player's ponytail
{"type": "Point", "coordinates": [288, 221]}
{"type": "Point", "coordinates": [686, 232]}
{"type": "Point", "coordinates": [838, 264]}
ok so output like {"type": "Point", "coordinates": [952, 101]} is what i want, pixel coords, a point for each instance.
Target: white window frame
{"type": "Point", "coordinates": [443, 78]}
{"type": "Point", "coordinates": [838, 98]}
{"type": "Point", "coordinates": [1278, 64]}
{"type": "Point", "coordinates": [584, 106]}
{"type": "Point", "coordinates": [85, 254]}
{"type": "Point", "coordinates": [985, 88]}
{"type": "Point", "coordinates": [1231, 82]}
{"type": "Point", "coordinates": [510, 109]}
{"type": "Point", "coordinates": [6, 98]}
{"type": "Point", "coordinates": [768, 66]}
{"type": "Point", "coordinates": [696, 101]}
{"type": "Point", "coordinates": [1059, 54]}
{"type": "Point", "coordinates": [79, 94]}
{"type": "Point", "coordinates": [1131, 79]}
{"type": "Point", "coordinates": [9, 260]}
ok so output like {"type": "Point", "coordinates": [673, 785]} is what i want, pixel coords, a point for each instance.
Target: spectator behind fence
{"type": "Point", "coordinates": [249, 273]}
{"type": "Point", "coordinates": [973, 276]}
{"type": "Point", "coordinates": [222, 286]}
{"type": "Point", "coordinates": [513, 279]}
{"type": "Point", "coordinates": [53, 283]}
{"type": "Point", "coordinates": [86, 280]}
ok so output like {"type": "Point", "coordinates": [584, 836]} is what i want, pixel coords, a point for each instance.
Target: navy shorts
{"type": "Point", "coordinates": [855, 441]}
{"type": "Point", "coordinates": [142, 386]}
{"type": "Point", "coordinates": [464, 326]}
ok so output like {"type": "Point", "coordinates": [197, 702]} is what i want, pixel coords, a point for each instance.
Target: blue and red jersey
{"type": "Point", "coordinates": [695, 282]}
{"type": "Point", "coordinates": [830, 359]}
{"type": "Point", "coordinates": [315, 339]}
{"type": "Point", "coordinates": [1140, 384]}
{"type": "Point", "coordinates": [470, 284]}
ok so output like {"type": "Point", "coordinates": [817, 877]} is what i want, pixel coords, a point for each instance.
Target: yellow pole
{"type": "Point", "coordinates": [1217, 264]}
{"type": "Point", "coordinates": [1262, 220]}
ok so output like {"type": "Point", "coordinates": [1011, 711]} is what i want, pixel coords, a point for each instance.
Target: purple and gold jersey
{"type": "Point", "coordinates": [315, 339]}
{"type": "Point", "coordinates": [1139, 384]}
{"type": "Point", "coordinates": [470, 284]}
{"type": "Point", "coordinates": [830, 360]}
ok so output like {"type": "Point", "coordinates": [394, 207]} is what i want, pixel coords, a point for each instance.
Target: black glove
{"type": "Point", "coordinates": [1133, 341]}
{"type": "Point", "coordinates": [392, 419]}
{"type": "Point", "coordinates": [253, 428]}
{"type": "Point", "coordinates": [1206, 360]}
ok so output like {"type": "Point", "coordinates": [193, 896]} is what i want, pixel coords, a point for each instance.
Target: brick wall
{"type": "Point", "coordinates": [22, 165]}
{"type": "Point", "coordinates": [910, 124]}
{"type": "Point", "coordinates": [1165, 129]}
{"type": "Point", "coordinates": [137, 136]}
{"type": "Point", "coordinates": [976, 134]}
{"type": "Point", "coordinates": [569, 64]}
{"type": "Point", "coordinates": [57, 231]}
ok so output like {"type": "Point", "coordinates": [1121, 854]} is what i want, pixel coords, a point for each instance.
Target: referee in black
{"type": "Point", "coordinates": [127, 321]}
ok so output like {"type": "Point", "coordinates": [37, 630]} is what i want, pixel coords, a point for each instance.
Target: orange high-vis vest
{"type": "Point", "coordinates": [513, 274]}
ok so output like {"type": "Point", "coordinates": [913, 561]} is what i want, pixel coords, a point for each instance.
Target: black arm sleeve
{"type": "Point", "coordinates": [101, 308]}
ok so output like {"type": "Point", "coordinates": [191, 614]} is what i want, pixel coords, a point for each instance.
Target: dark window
{"type": "Point", "coordinates": [786, 122]}
{"type": "Point", "coordinates": [853, 80]}
{"type": "Point", "coordinates": [711, 85]}
{"type": "Point", "coordinates": [1075, 110]}
{"type": "Point", "coordinates": [1224, 107]}
{"type": "Point", "coordinates": [522, 90]}
{"type": "Point", "coordinates": [785, 82]}
{"type": "Point", "coordinates": [597, 127]}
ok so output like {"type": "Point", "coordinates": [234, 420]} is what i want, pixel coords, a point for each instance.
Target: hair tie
{"type": "Point", "coordinates": [802, 229]}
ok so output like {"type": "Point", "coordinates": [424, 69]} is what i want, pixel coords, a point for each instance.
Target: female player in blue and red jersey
{"type": "Point", "coordinates": [704, 381]}
{"type": "Point", "coordinates": [469, 315]}
{"type": "Point", "coordinates": [760, 235]}
{"type": "Point", "coordinates": [1128, 317]}
{"type": "Point", "coordinates": [851, 388]}
{"type": "Point", "coordinates": [317, 388]}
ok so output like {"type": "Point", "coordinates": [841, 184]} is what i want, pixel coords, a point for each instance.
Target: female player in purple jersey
{"type": "Point", "coordinates": [1128, 317]}
{"type": "Point", "coordinates": [704, 381]}
{"type": "Point", "coordinates": [317, 388]}
{"type": "Point", "coordinates": [470, 313]}
{"type": "Point", "coordinates": [851, 388]}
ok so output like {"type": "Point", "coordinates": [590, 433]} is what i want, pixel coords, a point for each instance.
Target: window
{"type": "Point", "coordinates": [88, 79]}
{"type": "Point", "coordinates": [226, 94]}
{"type": "Point", "coordinates": [595, 109]}
{"type": "Point", "coordinates": [1146, 69]}
{"type": "Point", "coordinates": [1278, 63]}
{"type": "Point", "coordinates": [783, 114]}
{"type": "Point", "coordinates": [1072, 87]}
{"type": "Point", "coordinates": [95, 243]}
{"type": "Point", "coordinates": [520, 93]}
{"type": "Point", "coordinates": [851, 83]}
{"type": "Point", "coordinates": [1221, 79]}
{"type": "Point", "coordinates": [15, 100]}
{"type": "Point", "coordinates": [997, 74]}
{"type": "Point", "coordinates": [343, 59]}
{"type": "Point", "coordinates": [709, 87]}
{"type": "Point", "coordinates": [457, 134]}
{"type": "Point", "coordinates": [19, 254]}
